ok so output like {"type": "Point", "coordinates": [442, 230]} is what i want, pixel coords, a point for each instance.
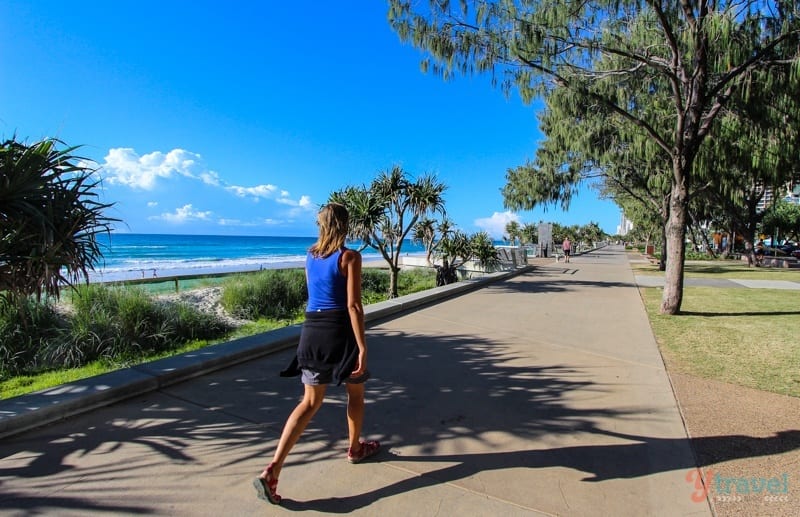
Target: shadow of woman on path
{"type": "Point", "coordinates": [642, 457]}
{"type": "Point", "coordinates": [436, 389]}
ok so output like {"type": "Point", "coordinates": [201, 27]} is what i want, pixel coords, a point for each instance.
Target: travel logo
{"type": "Point", "coordinates": [731, 489]}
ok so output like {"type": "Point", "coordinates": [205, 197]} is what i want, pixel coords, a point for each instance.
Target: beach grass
{"type": "Point", "coordinates": [23, 384]}
{"type": "Point", "coordinates": [409, 282]}
{"type": "Point", "coordinates": [746, 337]}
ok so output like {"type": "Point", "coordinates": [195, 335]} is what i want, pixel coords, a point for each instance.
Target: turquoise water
{"type": "Point", "coordinates": [131, 255]}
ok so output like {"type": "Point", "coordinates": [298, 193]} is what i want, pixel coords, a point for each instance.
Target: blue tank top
{"type": "Point", "coordinates": [327, 286]}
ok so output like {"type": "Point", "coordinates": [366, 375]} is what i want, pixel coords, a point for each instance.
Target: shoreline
{"type": "Point", "coordinates": [153, 273]}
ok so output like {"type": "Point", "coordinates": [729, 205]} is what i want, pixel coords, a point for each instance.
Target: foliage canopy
{"type": "Point", "coordinates": [657, 74]}
{"type": "Point", "coordinates": [50, 216]}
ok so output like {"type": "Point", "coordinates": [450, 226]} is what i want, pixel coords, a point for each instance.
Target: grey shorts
{"type": "Point", "coordinates": [314, 377]}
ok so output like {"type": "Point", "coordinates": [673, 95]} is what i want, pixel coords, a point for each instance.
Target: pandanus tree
{"type": "Point", "coordinates": [513, 232]}
{"type": "Point", "coordinates": [452, 248]}
{"type": "Point", "coordinates": [424, 234]}
{"type": "Point", "coordinates": [383, 214]}
{"type": "Point", "coordinates": [430, 233]}
{"type": "Point", "coordinates": [50, 217]}
{"type": "Point", "coordinates": [529, 233]}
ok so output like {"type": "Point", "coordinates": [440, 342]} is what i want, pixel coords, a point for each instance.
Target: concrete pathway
{"type": "Point", "coordinates": [543, 394]}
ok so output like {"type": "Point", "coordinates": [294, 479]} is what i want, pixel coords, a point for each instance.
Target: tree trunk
{"type": "Point", "coordinates": [665, 210]}
{"type": "Point", "coordinates": [675, 250]}
{"type": "Point", "coordinates": [708, 244]}
{"type": "Point", "coordinates": [393, 273]}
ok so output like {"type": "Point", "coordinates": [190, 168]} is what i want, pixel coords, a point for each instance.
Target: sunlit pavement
{"type": "Point", "coordinates": [541, 394]}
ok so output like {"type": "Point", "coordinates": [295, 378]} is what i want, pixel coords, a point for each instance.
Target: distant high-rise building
{"type": "Point", "coordinates": [791, 194]}
{"type": "Point", "coordinates": [625, 224]}
{"type": "Point", "coordinates": [766, 200]}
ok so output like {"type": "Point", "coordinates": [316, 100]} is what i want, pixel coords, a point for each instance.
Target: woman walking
{"type": "Point", "coordinates": [332, 347]}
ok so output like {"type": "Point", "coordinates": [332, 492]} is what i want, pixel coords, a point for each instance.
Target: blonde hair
{"type": "Point", "coordinates": [332, 220]}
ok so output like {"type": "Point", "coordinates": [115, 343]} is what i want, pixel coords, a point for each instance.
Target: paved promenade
{"type": "Point", "coordinates": [543, 394]}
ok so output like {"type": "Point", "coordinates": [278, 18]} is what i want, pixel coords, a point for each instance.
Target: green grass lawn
{"type": "Point", "coordinates": [747, 337]}
{"type": "Point", "coordinates": [724, 269]}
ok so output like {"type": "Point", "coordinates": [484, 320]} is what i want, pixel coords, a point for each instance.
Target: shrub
{"type": "Point", "coordinates": [124, 323]}
{"type": "Point", "coordinates": [111, 322]}
{"type": "Point", "coordinates": [416, 279]}
{"type": "Point", "coordinates": [483, 251]}
{"type": "Point", "coordinates": [273, 293]}
{"type": "Point", "coordinates": [25, 327]}
{"type": "Point", "coordinates": [192, 324]}
{"type": "Point", "coordinates": [374, 281]}
{"type": "Point", "coordinates": [697, 255]}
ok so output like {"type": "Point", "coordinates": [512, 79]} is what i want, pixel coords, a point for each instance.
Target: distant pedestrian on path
{"type": "Point", "coordinates": [760, 251]}
{"type": "Point", "coordinates": [333, 345]}
{"type": "Point", "coordinates": [566, 246]}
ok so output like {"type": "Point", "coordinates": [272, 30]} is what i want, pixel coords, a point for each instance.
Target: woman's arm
{"type": "Point", "coordinates": [351, 264]}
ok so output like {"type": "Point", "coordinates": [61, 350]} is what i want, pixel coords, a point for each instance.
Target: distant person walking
{"type": "Point", "coordinates": [566, 246]}
{"type": "Point", "coordinates": [333, 345]}
{"type": "Point", "coordinates": [760, 252]}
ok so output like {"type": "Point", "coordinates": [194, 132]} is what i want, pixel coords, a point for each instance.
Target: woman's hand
{"type": "Point", "coordinates": [361, 365]}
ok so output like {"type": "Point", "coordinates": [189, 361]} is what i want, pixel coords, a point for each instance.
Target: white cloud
{"type": "Point", "coordinates": [272, 192]}
{"type": "Point", "coordinates": [183, 214]}
{"type": "Point", "coordinates": [124, 167]}
{"type": "Point", "coordinates": [151, 204]}
{"type": "Point", "coordinates": [496, 224]}
{"type": "Point", "coordinates": [210, 178]}
{"type": "Point", "coordinates": [257, 192]}
{"type": "Point", "coordinates": [304, 201]}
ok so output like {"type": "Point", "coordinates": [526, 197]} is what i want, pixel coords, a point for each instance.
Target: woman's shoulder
{"type": "Point", "coordinates": [350, 255]}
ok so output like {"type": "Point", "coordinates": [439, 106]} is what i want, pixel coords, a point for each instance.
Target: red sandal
{"type": "Point", "coordinates": [267, 488]}
{"type": "Point", "coordinates": [368, 448]}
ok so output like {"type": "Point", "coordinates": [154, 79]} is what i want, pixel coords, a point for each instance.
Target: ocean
{"type": "Point", "coordinates": [130, 255]}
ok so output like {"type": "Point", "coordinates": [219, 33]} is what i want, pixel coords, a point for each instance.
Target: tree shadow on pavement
{"type": "Point", "coordinates": [436, 389]}
{"type": "Point", "coordinates": [642, 457]}
{"type": "Point", "coordinates": [552, 282]}
{"type": "Point", "coordinates": [428, 389]}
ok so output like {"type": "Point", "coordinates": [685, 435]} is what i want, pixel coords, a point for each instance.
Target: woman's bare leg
{"type": "Point", "coordinates": [296, 424]}
{"type": "Point", "coordinates": [355, 413]}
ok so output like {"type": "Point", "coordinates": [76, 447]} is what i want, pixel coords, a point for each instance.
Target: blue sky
{"type": "Point", "coordinates": [241, 118]}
